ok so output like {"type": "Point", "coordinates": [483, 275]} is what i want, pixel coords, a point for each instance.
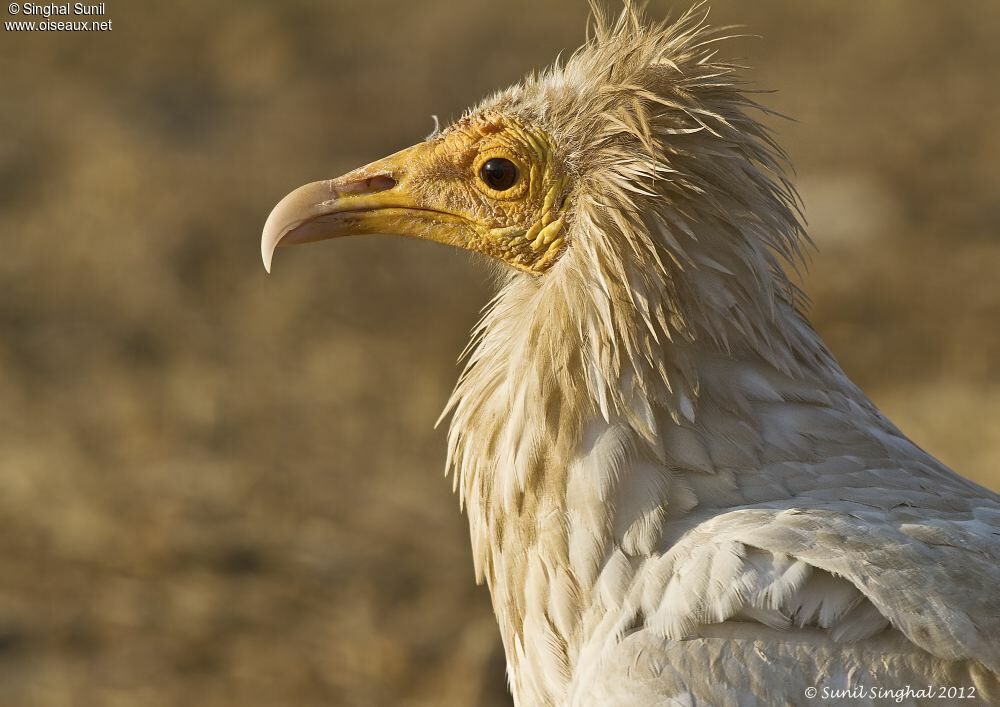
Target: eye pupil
{"type": "Point", "coordinates": [498, 174]}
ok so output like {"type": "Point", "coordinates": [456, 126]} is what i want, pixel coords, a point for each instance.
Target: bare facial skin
{"type": "Point", "coordinates": [487, 184]}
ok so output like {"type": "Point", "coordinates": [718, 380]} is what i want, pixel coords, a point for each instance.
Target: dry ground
{"type": "Point", "coordinates": [219, 488]}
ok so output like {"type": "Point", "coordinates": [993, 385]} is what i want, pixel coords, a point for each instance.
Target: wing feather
{"type": "Point", "coordinates": [853, 573]}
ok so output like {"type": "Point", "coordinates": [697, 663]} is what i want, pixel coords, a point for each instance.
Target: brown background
{"type": "Point", "coordinates": [222, 488]}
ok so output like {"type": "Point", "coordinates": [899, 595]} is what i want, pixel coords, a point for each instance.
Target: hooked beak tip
{"type": "Point", "coordinates": [290, 214]}
{"type": "Point", "coordinates": [268, 243]}
{"type": "Point", "coordinates": [317, 211]}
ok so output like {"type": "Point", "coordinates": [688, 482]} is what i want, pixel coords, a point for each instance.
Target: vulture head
{"type": "Point", "coordinates": [603, 171]}
{"type": "Point", "coordinates": [636, 208]}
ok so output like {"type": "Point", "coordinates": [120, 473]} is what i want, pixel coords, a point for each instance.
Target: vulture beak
{"type": "Point", "coordinates": [379, 198]}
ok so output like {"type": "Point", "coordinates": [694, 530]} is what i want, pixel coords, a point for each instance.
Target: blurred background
{"type": "Point", "coordinates": [223, 488]}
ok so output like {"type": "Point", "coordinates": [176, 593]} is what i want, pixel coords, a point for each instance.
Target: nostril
{"type": "Point", "coordinates": [371, 185]}
{"type": "Point", "coordinates": [381, 183]}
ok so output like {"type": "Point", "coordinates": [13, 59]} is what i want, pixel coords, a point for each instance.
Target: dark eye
{"type": "Point", "coordinates": [498, 174]}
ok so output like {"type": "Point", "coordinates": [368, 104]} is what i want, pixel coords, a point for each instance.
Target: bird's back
{"type": "Point", "coordinates": [821, 549]}
{"type": "Point", "coordinates": [747, 664]}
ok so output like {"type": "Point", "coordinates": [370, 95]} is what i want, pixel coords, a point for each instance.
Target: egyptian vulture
{"type": "Point", "coordinates": [674, 493]}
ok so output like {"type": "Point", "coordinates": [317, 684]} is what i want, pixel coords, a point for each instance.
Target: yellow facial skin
{"type": "Point", "coordinates": [435, 190]}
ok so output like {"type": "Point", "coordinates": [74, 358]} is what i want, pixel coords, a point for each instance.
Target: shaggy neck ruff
{"type": "Point", "coordinates": [579, 398]}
